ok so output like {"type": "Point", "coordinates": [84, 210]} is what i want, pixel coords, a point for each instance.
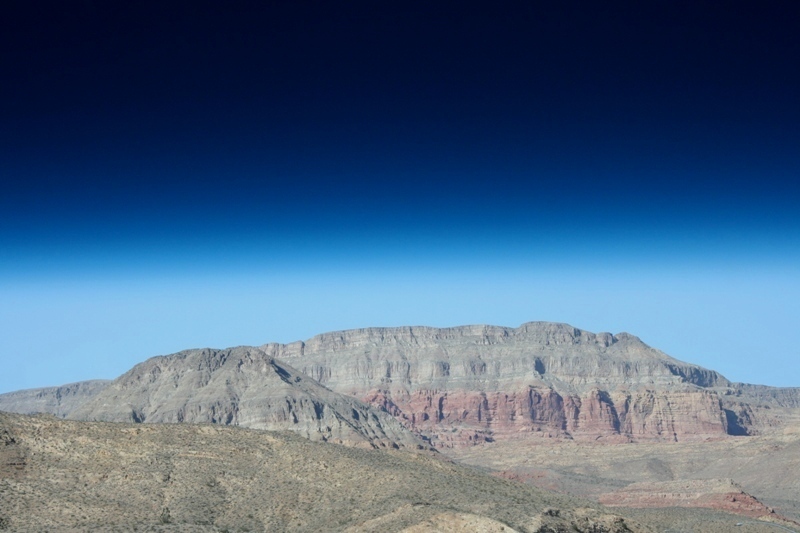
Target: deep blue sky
{"type": "Point", "coordinates": [209, 173]}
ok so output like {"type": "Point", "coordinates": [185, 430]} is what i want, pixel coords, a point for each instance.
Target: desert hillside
{"type": "Point", "coordinates": [60, 475]}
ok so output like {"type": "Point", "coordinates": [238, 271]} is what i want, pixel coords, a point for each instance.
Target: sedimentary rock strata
{"type": "Point", "coordinates": [245, 387]}
{"type": "Point", "coordinates": [490, 389]}
{"type": "Point", "coordinates": [720, 494]}
{"type": "Point", "coordinates": [58, 401]}
{"type": "Point", "coordinates": [453, 386]}
{"type": "Point", "coordinates": [465, 385]}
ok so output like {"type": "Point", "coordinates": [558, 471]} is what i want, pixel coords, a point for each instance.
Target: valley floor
{"type": "Point", "coordinates": [763, 466]}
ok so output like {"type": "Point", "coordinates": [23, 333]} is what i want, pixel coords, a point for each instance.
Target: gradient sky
{"type": "Point", "coordinates": [215, 174]}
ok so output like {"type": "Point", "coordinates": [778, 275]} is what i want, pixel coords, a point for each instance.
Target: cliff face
{"type": "Point", "coordinates": [471, 384]}
{"type": "Point", "coordinates": [454, 386]}
{"type": "Point", "coordinates": [58, 401]}
{"type": "Point", "coordinates": [458, 417]}
{"type": "Point", "coordinates": [489, 358]}
{"type": "Point", "coordinates": [241, 386]}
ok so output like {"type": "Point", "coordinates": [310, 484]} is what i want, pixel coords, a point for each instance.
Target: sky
{"type": "Point", "coordinates": [178, 175]}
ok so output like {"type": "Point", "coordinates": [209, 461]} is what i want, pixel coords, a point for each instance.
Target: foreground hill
{"type": "Point", "coordinates": [58, 475]}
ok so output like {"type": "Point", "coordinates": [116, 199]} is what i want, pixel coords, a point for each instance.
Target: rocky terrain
{"type": "Point", "coordinates": [60, 475]}
{"type": "Point", "coordinates": [453, 386]}
{"type": "Point", "coordinates": [763, 467]}
{"type": "Point", "coordinates": [722, 494]}
{"type": "Point", "coordinates": [547, 404]}
{"type": "Point", "coordinates": [245, 387]}
{"type": "Point", "coordinates": [460, 386]}
{"type": "Point", "coordinates": [58, 401]}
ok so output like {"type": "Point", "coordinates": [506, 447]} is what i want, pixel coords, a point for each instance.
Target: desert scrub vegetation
{"type": "Point", "coordinates": [263, 481]}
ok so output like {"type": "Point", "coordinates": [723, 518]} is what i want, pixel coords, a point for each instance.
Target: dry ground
{"type": "Point", "coordinates": [63, 476]}
{"type": "Point", "coordinates": [766, 467]}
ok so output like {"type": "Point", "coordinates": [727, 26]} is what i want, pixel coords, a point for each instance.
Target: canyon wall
{"type": "Point", "coordinates": [464, 385]}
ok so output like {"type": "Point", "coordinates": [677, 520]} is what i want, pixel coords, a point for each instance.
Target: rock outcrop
{"type": "Point", "coordinates": [244, 387]}
{"type": "Point", "coordinates": [762, 465]}
{"type": "Point", "coordinates": [464, 385]}
{"type": "Point", "coordinates": [453, 386]}
{"type": "Point", "coordinates": [720, 494]}
{"type": "Point", "coordinates": [58, 401]}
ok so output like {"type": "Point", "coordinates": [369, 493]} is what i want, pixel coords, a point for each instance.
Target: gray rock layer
{"type": "Point", "coordinates": [488, 358]}
{"type": "Point", "coordinates": [241, 386]}
{"type": "Point", "coordinates": [58, 401]}
{"type": "Point", "coordinates": [475, 383]}
{"type": "Point", "coordinates": [454, 386]}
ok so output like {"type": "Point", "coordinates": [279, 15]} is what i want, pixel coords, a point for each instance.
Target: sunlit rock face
{"type": "Point", "coordinates": [246, 387]}
{"type": "Point", "coordinates": [471, 384]}
{"type": "Point", "coordinates": [58, 401]}
{"type": "Point", "coordinates": [452, 387]}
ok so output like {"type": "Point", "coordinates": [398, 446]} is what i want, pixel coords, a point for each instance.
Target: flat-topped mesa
{"type": "Point", "coordinates": [241, 386]}
{"type": "Point", "coordinates": [455, 386]}
{"type": "Point", "coordinates": [469, 384]}
{"type": "Point", "coordinates": [554, 354]}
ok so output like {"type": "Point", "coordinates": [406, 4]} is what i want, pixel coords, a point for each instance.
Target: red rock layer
{"type": "Point", "coordinates": [463, 417]}
{"type": "Point", "coordinates": [701, 493]}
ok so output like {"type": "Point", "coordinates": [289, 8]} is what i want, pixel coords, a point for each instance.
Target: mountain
{"type": "Point", "coordinates": [464, 385]}
{"type": "Point", "coordinates": [452, 386]}
{"type": "Point", "coordinates": [58, 401]}
{"type": "Point", "coordinates": [241, 386]}
{"type": "Point", "coordinates": [484, 395]}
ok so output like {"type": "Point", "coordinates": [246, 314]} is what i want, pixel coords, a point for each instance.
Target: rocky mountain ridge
{"type": "Point", "coordinates": [480, 394]}
{"type": "Point", "coordinates": [453, 386]}
{"type": "Point", "coordinates": [241, 386]}
{"type": "Point", "coordinates": [459, 386]}
{"type": "Point", "coordinates": [58, 401]}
